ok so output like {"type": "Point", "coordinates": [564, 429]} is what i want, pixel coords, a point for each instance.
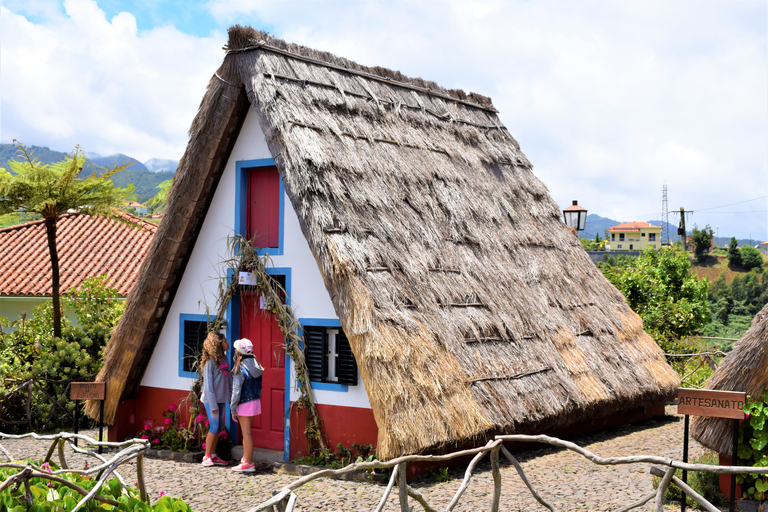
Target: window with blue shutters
{"type": "Point", "coordinates": [328, 355]}
{"type": "Point", "coordinates": [193, 330]}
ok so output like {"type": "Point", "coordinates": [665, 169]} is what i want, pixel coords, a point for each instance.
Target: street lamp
{"type": "Point", "coordinates": [575, 217]}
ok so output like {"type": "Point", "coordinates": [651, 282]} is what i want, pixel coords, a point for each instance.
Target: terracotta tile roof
{"type": "Point", "coordinates": [87, 246]}
{"type": "Point", "coordinates": [632, 226]}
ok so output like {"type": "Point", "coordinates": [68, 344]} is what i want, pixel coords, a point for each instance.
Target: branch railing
{"type": "Point", "coordinates": [127, 451]}
{"type": "Point", "coordinates": [284, 500]}
{"type": "Point", "coordinates": [28, 386]}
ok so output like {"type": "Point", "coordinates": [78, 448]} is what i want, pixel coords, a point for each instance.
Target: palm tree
{"type": "Point", "coordinates": [51, 190]}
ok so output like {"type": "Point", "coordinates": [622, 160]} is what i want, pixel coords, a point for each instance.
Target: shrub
{"type": "Point", "coordinates": [703, 482]}
{"type": "Point", "coordinates": [52, 496]}
{"type": "Point", "coordinates": [753, 447]}
{"type": "Point", "coordinates": [32, 352]}
{"type": "Point", "coordinates": [751, 258]}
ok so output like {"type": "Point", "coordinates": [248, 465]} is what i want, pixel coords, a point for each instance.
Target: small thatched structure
{"type": "Point", "coordinates": [470, 307]}
{"type": "Point", "coordinates": [746, 370]}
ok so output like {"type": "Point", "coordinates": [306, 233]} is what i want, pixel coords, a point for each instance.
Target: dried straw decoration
{"type": "Point", "coordinates": [471, 309]}
{"type": "Point", "coordinates": [745, 369]}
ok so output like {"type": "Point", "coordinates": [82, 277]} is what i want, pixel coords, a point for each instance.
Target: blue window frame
{"type": "Point", "coordinates": [331, 364]}
{"type": "Point", "coordinates": [241, 202]}
{"type": "Point", "coordinates": [192, 333]}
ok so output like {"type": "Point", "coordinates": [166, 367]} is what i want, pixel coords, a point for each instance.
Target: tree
{"type": "Point", "coordinates": [751, 257]}
{"type": "Point", "coordinates": [702, 240]}
{"type": "Point", "coordinates": [734, 256]}
{"type": "Point", "coordinates": [158, 202]}
{"type": "Point", "coordinates": [659, 288]}
{"type": "Point", "coordinates": [50, 190]}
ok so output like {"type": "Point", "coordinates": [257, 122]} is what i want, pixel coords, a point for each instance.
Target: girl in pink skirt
{"type": "Point", "coordinates": [246, 402]}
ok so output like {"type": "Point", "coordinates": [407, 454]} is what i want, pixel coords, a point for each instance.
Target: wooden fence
{"type": "Point", "coordinates": [127, 450]}
{"type": "Point", "coordinates": [285, 499]}
{"type": "Point", "coordinates": [26, 388]}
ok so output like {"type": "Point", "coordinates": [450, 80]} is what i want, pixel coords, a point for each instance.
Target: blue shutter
{"type": "Point", "coordinates": [195, 333]}
{"type": "Point", "coordinates": [346, 369]}
{"type": "Point", "coordinates": [314, 352]}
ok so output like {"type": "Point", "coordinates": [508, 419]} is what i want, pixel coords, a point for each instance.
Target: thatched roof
{"type": "Point", "coordinates": [745, 369]}
{"type": "Point", "coordinates": [470, 307]}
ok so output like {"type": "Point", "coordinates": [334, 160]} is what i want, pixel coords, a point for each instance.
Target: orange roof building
{"type": "Point", "coordinates": [633, 236]}
{"type": "Point", "coordinates": [87, 246]}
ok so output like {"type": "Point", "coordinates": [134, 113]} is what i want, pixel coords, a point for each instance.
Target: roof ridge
{"type": "Point", "coordinates": [240, 40]}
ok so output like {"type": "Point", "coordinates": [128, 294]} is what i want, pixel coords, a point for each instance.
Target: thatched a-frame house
{"type": "Point", "coordinates": [745, 369]}
{"type": "Point", "coordinates": [469, 306]}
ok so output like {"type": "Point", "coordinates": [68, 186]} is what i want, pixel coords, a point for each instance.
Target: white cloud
{"type": "Point", "coordinates": [78, 78]}
{"type": "Point", "coordinates": [609, 99]}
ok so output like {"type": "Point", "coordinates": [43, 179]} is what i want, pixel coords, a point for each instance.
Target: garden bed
{"type": "Point", "coordinates": [192, 457]}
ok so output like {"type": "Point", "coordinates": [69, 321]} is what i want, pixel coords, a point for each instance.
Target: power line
{"type": "Point", "coordinates": [749, 211]}
{"type": "Point", "coordinates": [732, 204]}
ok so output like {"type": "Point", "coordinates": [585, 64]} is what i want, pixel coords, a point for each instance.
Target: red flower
{"type": "Point", "coordinates": [155, 441]}
{"type": "Point", "coordinates": [172, 407]}
{"type": "Point", "coordinates": [168, 421]}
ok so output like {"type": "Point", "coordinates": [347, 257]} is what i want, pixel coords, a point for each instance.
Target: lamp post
{"type": "Point", "coordinates": [575, 217]}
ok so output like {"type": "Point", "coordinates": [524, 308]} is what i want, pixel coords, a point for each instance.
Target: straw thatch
{"type": "Point", "coordinates": [470, 307]}
{"type": "Point", "coordinates": [745, 369]}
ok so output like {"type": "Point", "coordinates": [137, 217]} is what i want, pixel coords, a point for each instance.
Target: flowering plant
{"type": "Point", "coordinates": [172, 435]}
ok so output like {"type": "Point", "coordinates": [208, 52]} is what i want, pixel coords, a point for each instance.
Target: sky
{"type": "Point", "coordinates": [610, 100]}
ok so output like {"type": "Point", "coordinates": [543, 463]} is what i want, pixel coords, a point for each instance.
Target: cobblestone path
{"type": "Point", "coordinates": [567, 480]}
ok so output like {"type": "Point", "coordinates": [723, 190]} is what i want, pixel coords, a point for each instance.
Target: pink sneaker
{"type": "Point", "coordinates": [208, 461]}
{"type": "Point", "coordinates": [244, 467]}
{"type": "Point", "coordinates": [219, 461]}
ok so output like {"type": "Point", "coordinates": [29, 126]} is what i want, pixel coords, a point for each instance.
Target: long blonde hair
{"type": "Point", "coordinates": [212, 349]}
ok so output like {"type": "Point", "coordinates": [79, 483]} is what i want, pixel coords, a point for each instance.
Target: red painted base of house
{"type": "Point", "coordinates": [345, 425]}
{"type": "Point", "coordinates": [725, 479]}
{"type": "Point", "coordinates": [150, 403]}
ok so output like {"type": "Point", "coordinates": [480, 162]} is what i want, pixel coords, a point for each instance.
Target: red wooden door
{"type": "Point", "coordinates": [261, 328]}
{"type": "Point", "coordinates": [263, 219]}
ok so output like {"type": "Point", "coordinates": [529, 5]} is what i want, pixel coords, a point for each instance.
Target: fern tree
{"type": "Point", "coordinates": [51, 190]}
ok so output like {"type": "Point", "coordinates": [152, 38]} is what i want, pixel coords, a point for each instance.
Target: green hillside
{"type": "Point", "coordinates": [143, 180]}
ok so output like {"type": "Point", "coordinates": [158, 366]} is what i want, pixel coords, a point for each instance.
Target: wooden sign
{"type": "Point", "coordinates": [706, 402]}
{"type": "Point", "coordinates": [88, 390]}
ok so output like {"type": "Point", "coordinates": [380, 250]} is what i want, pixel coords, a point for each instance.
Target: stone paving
{"type": "Point", "coordinates": [567, 480]}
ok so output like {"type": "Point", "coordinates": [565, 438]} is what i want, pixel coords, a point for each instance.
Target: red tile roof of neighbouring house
{"type": "Point", "coordinates": [87, 246]}
{"type": "Point", "coordinates": [632, 226]}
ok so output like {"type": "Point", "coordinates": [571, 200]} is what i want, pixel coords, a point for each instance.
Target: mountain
{"type": "Point", "coordinates": [118, 159]}
{"type": "Point", "coordinates": [161, 164]}
{"type": "Point", "coordinates": [143, 180]}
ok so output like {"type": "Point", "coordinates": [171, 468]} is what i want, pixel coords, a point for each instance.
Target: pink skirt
{"type": "Point", "coordinates": [252, 408]}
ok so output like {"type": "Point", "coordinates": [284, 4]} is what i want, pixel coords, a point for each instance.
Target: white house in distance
{"type": "Point", "coordinates": [633, 236]}
{"type": "Point", "coordinates": [440, 297]}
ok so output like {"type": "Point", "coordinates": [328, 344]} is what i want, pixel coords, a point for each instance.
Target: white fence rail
{"type": "Point", "coordinates": [285, 499]}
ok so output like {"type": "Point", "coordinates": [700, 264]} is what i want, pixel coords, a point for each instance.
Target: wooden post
{"type": "Point", "coordinates": [90, 391]}
{"type": "Point", "coordinates": [77, 418]}
{"type": "Point", "coordinates": [496, 479]}
{"type": "Point", "coordinates": [140, 478]}
{"type": "Point", "coordinates": [734, 462]}
{"type": "Point", "coordinates": [403, 489]}
{"type": "Point", "coordinates": [101, 425]}
{"type": "Point", "coordinates": [685, 459]}
{"type": "Point", "coordinates": [62, 460]}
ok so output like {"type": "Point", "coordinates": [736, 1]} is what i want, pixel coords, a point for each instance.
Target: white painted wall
{"type": "Point", "coordinates": [12, 307]}
{"type": "Point", "coordinates": [198, 287]}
